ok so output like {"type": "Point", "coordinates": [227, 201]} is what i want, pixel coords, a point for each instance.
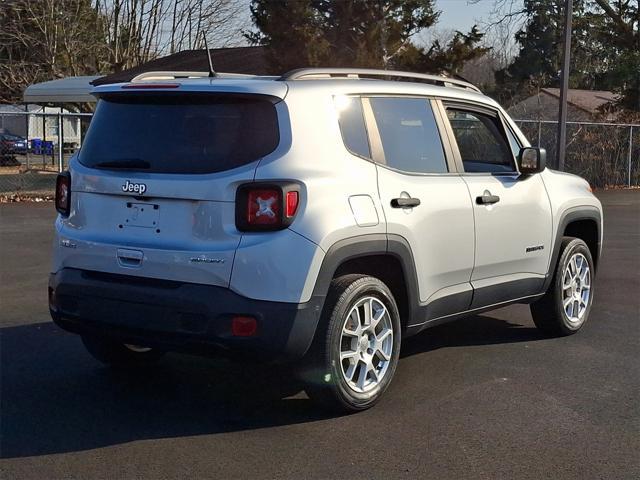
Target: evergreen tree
{"type": "Point", "coordinates": [356, 33]}
{"type": "Point", "coordinates": [618, 31]}
{"type": "Point", "coordinates": [605, 49]}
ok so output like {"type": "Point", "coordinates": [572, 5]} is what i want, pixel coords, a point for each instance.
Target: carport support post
{"type": "Point", "coordinates": [630, 153]}
{"type": "Point", "coordinates": [60, 139]}
{"type": "Point", "coordinates": [564, 85]}
{"type": "Point", "coordinates": [44, 139]}
{"type": "Point", "coordinates": [26, 116]}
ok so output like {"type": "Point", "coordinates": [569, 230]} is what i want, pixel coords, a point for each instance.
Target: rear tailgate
{"type": "Point", "coordinates": [153, 188]}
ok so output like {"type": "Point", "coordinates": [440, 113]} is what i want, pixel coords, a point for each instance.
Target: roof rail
{"type": "Point", "coordinates": [177, 75]}
{"type": "Point", "coordinates": [310, 73]}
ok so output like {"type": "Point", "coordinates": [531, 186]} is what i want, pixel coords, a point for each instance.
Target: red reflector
{"type": "Point", "coordinates": [63, 193]}
{"type": "Point", "coordinates": [243, 326]}
{"type": "Point", "coordinates": [152, 86]}
{"type": "Point", "coordinates": [292, 204]}
{"type": "Point", "coordinates": [263, 206]}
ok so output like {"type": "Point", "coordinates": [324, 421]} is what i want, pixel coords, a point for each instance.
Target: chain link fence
{"type": "Point", "coordinates": [606, 154]}
{"type": "Point", "coordinates": [34, 147]}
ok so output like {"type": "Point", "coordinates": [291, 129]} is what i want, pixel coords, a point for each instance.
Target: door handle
{"type": "Point", "coordinates": [129, 258]}
{"type": "Point", "coordinates": [487, 199]}
{"type": "Point", "coordinates": [403, 202]}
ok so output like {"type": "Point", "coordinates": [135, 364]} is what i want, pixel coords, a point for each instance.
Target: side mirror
{"type": "Point", "coordinates": [532, 160]}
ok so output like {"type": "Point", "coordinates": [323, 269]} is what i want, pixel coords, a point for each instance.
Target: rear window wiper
{"type": "Point", "coordinates": [125, 163]}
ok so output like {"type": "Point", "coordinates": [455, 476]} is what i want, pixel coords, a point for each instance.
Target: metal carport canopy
{"type": "Point", "coordinates": [63, 90]}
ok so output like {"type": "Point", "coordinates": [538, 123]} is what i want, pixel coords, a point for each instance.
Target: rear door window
{"type": "Point", "coordinates": [409, 134]}
{"type": "Point", "coordinates": [179, 133]}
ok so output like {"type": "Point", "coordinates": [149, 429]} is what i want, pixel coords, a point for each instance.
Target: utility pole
{"type": "Point", "coordinates": [564, 85]}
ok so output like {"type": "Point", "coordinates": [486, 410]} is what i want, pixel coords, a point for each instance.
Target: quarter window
{"type": "Point", "coordinates": [482, 144]}
{"type": "Point", "coordinates": [409, 134]}
{"type": "Point", "coordinates": [352, 126]}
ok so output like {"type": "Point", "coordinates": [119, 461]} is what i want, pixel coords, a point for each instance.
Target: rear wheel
{"type": "Point", "coordinates": [565, 307]}
{"type": "Point", "coordinates": [356, 350]}
{"type": "Point", "coordinates": [120, 355]}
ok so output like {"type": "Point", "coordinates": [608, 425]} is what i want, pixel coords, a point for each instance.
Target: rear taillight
{"type": "Point", "coordinates": [264, 206]}
{"type": "Point", "coordinates": [261, 207]}
{"type": "Point", "coordinates": [63, 193]}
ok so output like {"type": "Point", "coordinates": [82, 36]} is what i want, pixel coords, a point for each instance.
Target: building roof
{"type": "Point", "coordinates": [583, 105]}
{"type": "Point", "coordinates": [63, 90]}
{"type": "Point", "coordinates": [9, 109]}
{"type": "Point", "coordinates": [249, 60]}
{"type": "Point", "coordinates": [31, 108]}
{"type": "Point", "coordinates": [588, 100]}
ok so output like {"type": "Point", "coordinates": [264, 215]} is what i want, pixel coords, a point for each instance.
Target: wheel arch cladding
{"type": "Point", "coordinates": [588, 230]}
{"type": "Point", "coordinates": [580, 222]}
{"type": "Point", "coordinates": [388, 259]}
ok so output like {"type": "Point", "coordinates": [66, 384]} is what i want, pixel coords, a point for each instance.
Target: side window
{"type": "Point", "coordinates": [481, 142]}
{"type": "Point", "coordinates": [352, 126]}
{"type": "Point", "coordinates": [409, 134]}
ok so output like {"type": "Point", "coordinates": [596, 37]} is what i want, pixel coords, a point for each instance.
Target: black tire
{"type": "Point", "coordinates": [119, 355]}
{"type": "Point", "coordinates": [323, 377]}
{"type": "Point", "coordinates": [549, 313]}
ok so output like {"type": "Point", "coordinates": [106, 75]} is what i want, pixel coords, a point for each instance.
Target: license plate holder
{"type": "Point", "coordinates": [145, 215]}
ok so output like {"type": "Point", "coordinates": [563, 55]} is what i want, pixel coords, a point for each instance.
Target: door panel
{"type": "Point", "coordinates": [439, 230]}
{"type": "Point", "coordinates": [423, 198]}
{"type": "Point", "coordinates": [512, 213]}
{"type": "Point", "coordinates": [513, 235]}
{"type": "Point", "coordinates": [422, 201]}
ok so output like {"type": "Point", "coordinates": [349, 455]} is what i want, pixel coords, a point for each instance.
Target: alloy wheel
{"type": "Point", "coordinates": [576, 288]}
{"type": "Point", "coordinates": [366, 344]}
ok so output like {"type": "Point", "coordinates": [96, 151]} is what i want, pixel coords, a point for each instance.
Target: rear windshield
{"type": "Point", "coordinates": [179, 133]}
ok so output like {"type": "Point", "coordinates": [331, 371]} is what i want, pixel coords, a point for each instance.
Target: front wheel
{"type": "Point", "coordinates": [565, 308]}
{"type": "Point", "coordinates": [356, 350]}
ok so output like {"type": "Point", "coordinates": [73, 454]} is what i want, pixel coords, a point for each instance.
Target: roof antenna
{"type": "Point", "coordinates": [212, 72]}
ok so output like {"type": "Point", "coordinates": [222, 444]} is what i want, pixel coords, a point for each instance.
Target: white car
{"type": "Point", "coordinates": [315, 219]}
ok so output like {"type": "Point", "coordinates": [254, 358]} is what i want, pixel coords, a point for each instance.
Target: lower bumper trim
{"type": "Point", "coordinates": [179, 316]}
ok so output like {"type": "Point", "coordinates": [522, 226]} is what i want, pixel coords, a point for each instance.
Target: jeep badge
{"type": "Point", "coordinates": [134, 187]}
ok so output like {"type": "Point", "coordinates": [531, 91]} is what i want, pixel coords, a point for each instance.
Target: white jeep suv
{"type": "Point", "coordinates": [316, 218]}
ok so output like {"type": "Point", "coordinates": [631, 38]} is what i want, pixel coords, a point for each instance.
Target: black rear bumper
{"type": "Point", "coordinates": [179, 316]}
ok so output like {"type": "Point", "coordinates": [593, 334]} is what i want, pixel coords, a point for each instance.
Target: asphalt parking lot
{"type": "Point", "coordinates": [482, 398]}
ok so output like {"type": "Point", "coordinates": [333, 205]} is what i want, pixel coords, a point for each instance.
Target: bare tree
{"type": "Point", "coordinates": [138, 30]}
{"type": "Point", "coordinates": [46, 39]}
{"type": "Point", "coordinates": [506, 18]}
{"type": "Point", "coordinates": [220, 20]}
